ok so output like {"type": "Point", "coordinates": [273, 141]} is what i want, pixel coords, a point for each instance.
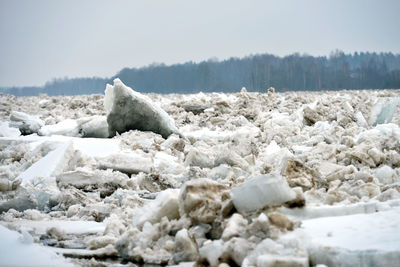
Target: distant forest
{"type": "Point", "coordinates": [256, 73]}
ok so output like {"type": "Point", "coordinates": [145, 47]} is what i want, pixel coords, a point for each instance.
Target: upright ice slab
{"type": "Point", "coordinates": [130, 110]}
{"type": "Point", "coordinates": [383, 110]}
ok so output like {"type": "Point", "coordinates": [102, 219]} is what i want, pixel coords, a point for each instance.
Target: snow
{"type": "Point", "coordinates": [184, 264]}
{"type": "Point", "coordinates": [219, 135]}
{"type": "Point", "coordinates": [18, 250]}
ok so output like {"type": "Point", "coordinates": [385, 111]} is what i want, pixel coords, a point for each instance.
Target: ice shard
{"type": "Point", "coordinates": [130, 110]}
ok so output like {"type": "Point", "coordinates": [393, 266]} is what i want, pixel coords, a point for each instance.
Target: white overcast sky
{"type": "Point", "coordinates": [44, 39]}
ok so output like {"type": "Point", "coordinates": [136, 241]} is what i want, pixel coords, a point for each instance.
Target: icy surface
{"type": "Point", "coordinates": [19, 250]}
{"type": "Point", "coordinates": [50, 165]}
{"type": "Point", "coordinates": [353, 240]}
{"type": "Point", "coordinates": [291, 178]}
{"type": "Point", "coordinates": [69, 227]}
{"type": "Point", "coordinates": [374, 231]}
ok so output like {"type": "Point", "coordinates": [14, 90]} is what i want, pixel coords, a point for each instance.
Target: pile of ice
{"type": "Point", "coordinates": [250, 179]}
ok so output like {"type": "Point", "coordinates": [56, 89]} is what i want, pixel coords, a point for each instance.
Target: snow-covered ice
{"type": "Point", "coordinates": [354, 240]}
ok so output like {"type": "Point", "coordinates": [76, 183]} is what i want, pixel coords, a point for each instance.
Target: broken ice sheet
{"type": "Point", "coordinates": [185, 187]}
{"type": "Point", "coordinates": [50, 165]}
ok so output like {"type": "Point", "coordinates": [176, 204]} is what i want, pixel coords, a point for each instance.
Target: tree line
{"type": "Point", "coordinates": [256, 72]}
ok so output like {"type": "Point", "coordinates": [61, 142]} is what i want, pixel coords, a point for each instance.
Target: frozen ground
{"type": "Point", "coordinates": [277, 179]}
